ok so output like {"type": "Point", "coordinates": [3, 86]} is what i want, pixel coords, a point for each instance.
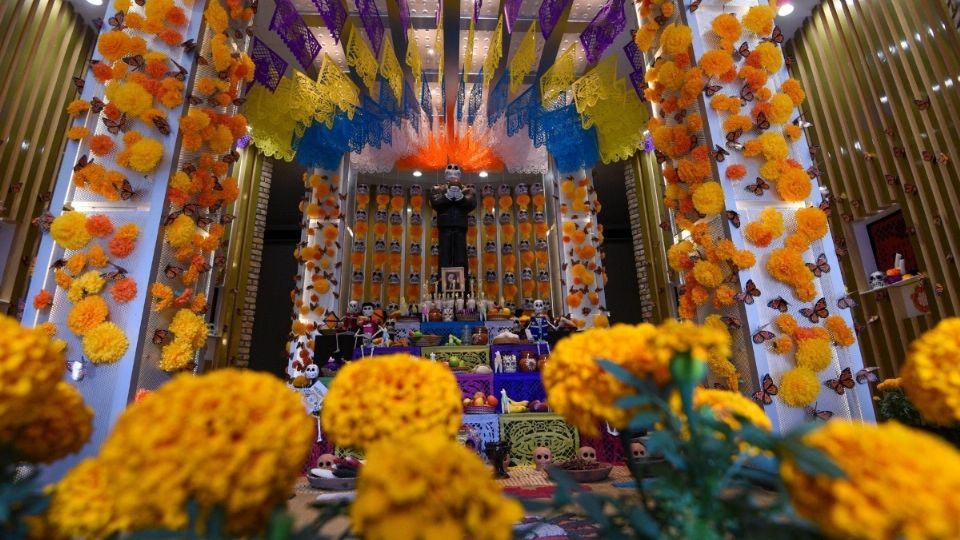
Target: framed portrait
{"type": "Point", "coordinates": [453, 279]}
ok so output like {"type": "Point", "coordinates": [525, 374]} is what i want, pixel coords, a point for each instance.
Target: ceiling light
{"type": "Point", "coordinates": [483, 174]}
{"type": "Point", "coordinates": [785, 10]}
{"type": "Point", "coordinates": [95, 2]}
{"type": "Point", "coordinates": [430, 51]}
{"type": "Point", "coordinates": [418, 174]}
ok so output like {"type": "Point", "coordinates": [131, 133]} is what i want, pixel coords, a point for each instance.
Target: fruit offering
{"type": "Point", "coordinates": [481, 399]}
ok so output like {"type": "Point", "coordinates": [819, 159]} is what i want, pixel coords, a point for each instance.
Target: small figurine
{"type": "Point", "coordinates": [540, 324]}
{"type": "Point", "coordinates": [350, 320]}
{"type": "Point", "coordinates": [497, 362]}
{"type": "Point", "coordinates": [425, 308]}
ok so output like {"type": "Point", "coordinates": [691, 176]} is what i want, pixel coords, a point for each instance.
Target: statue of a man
{"type": "Point", "coordinates": [452, 203]}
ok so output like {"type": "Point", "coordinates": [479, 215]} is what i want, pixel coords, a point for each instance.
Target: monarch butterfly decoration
{"type": "Point", "coordinates": [813, 172]}
{"type": "Point", "coordinates": [899, 151]}
{"type": "Point", "coordinates": [161, 124]}
{"type": "Point", "coordinates": [680, 116]}
{"type": "Point", "coordinates": [778, 304]}
{"type": "Point", "coordinates": [803, 123]}
{"type": "Point", "coordinates": [136, 62]}
{"type": "Point", "coordinates": [817, 312]}
{"type": "Point", "coordinates": [227, 219]}
{"type": "Point", "coordinates": [733, 139]}
{"type": "Point", "coordinates": [720, 154]}
{"type": "Point", "coordinates": [116, 22]}
{"type": "Point", "coordinates": [867, 375]}
{"type": "Point", "coordinates": [734, 218]}
{"type": "Point", "coordinates": [758, 188]}
{"type": "Point", "coordinates": [891, 179]}
{"type": "Point", "coordinates": [79, 83]}
{"type": "Point", "coordinates": [694, 5]}
{"type": "Point", "coordinates": [732, 323]}
{"type": "Point", "coordinates": [172, 271]}
{"type": "Point", "coordinates": [825, 206]}
{"type": "Point", "coordinates": [746, 93]}
{"type": "Point", "coordinates": [116, 126]}
{"type": "Point", "coordinates": [767, 390]}
{"type": "Point", "coordinates": [743, 50]}
{"type": "Point", "coordinates": [816, 414]}
{"type": "Point", "coordinates": [97, 105]}
{"type": "Point", "coordinates": [762, 336]}
{"type": "Point", "coordinates": [749, 293]}
{"type": "Point", "coordinates": [661, 157]}
{"type": "Point", "coordinates": [762, 123]}
{"type": "Point", "coordinates": [711, 89]}
{"type": "Point", "coordinates": [776, 37]}
{"type": "Point", "coordinates": [160, 336]}
{"type": "Point", "coordinates": [842, 383]}
{"type": "Point", "coordinates": [922, 103]}
{"type": "Point", "coordinates": [820, 267]}
{"type": "Point", "coordinates": [44, 221]}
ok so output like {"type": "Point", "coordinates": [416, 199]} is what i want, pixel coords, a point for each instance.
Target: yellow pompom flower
{"type": "Point", "coordinates": [160, 455]}
{"type": "Point", "coordinates": [901, 481]}
{"type": "Point", "coordinates": [708, 274]}
{"type": "Point", "coordinates": [129, 97]}
{"type": "Point", "coordinates": [144, 155]}
{"type": "Point", "coordinates": [676, 38]}
{"type": "Point", "coordinates": [841, 334]}
{"type": "Point", "coordinates": [62, 425]}
{"type": "Point", "coordinates": [180, 232]}
{"type": "Point", "coordinates": [759, 20]}
{"type": "Point", "coordinates": [743, 259]}
{"type": "Point", "coordinates": [814, 354]}
{"type": "Point", "coordinates": [811, 223]}
{"type": "Point", "coordinates": [89, 510]}
{"type": "Point", "coordinates": [678, 256]}
{"type": "Point", "coordinates": [727, 27]}
{"type": "Point", "coordinates": [390, 397]}
{"type": "Point", "coordinates": [86, 314]}
{"type": "Point", "coordinates": [454, 497]}
{"type": "Point", "coordinates": [931, 374]}
{"type": "Point", "coordinates": [768, 57]}
{"type": "Point", "coordinates": [105, 343]}
{"type": "Point", "coordinates": [781, 109]}
{"type": "Point", "coordinates": [69, 230]}
{"type": "Point", "coordinates": [30, 367]}
{"type": "Point", "coordinates": [727, 405]}
{"type": "Point", "coordinates": [794, 185]}
{"type": "Point", "coordinates": [216, 17]}
{"type": "Point", "coordinates": [177, 355]}
{"type": "Point", "coordinates": [584, 393]}
{"type": "Point", "coordinates": [708, 198]}
{"type": "Point", "coordinates": [89, 283]}
{"type": "Point", "coordinates": [189, 327]}
{"type": "Point", "coordinates": [799, 387]}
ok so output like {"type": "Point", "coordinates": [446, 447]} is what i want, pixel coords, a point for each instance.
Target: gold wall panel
{"type": "Point", "coordinates": [43, 45]}
{"type": "Point", "coordinates": [863, 64]}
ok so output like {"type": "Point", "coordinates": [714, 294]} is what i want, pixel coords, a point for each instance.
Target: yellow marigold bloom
{"type": "Point", "coordinates": [727, 27]}
{"type": "Point", "coordinates": [390, 396]}
{"type": "Point", "coordinates": [86, 314]}
{"type": "Point", "coordinates": [77, 106]}
{"type": "Point", "coordinates": [30, 367]}
{"type": "Point", "coordinates": [144, 155]}
{"type": "Point", "coordinates": [584, 393]}
{"type": "Point", "coordinates": [814, 354]}
{"type": "Point", "coordinates": [889, 384]}
{"type": "Point", "coordinates": [792, 88]}
{"type": "Point", "coordinates": [782, 345]}
{"type": "Point", "coordinates": [89, 510]}
{"type": "Point", "coordinates": [129, 97]}
{"type": "Point", "coordinates": [159, 454]}
{"type": "Point", "coordinates": [743, 259]}
{"type": "Point", "coordinates": [216, 17]}
{"type": "Point", "coordinates": [931, 374]}
{"type": "Point", "coordinates": [708, 198]}
{"type": "Point", "coordinates": [62, 425]}
{"type": "Point", "coordinates": [839, 331]}
{"type": "Point", "coordinates": [177, 355]}
{"type": "Point", "coordinates": [799, 387]}
{"type": "Point", "coordinates": [759, 20]}
{"type": "Point", "coordinates": [180, 232]}
{"type": "Point", "coordinates": [454, 497]}
{"type": "Point", "coordinates": [708, 274]}
{"type": "Point", "coordinates": [781, 109]}
{"type": "Point", "coordinates": [190, 327]}
{"type": "Point", "coordinates": [794, 185]}
{"type": "Point", "coordinates": [69, 230]}
{"type": "Point", "coordinates": [89, 283]}
{"type": "Point", "coordinates": [811, 223]}
{"type": "Point", "coordinates": [676, 38]}
{"type": "Point", "coordinates": [768, 57]}
{"type": "Point", "coordinates": [901, 481]}
{"type": "Point", "coordinates": [726, 405]}
{"type": "Point", "coordinates": [105, 343]}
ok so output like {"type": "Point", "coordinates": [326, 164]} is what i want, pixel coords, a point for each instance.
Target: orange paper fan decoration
{"type": "Point", "coordinates": [444, 148]}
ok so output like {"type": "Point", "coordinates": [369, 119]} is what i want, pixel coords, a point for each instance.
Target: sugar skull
{"type": "Point", "coordinates": [434, 249]}
{"type": "Point", "coordinates": [327, 461]}
{"type": "Point", "coordinates": [377, 276]}
{"type": "Point", "coordinates": [393, 278]}
{"type": "Point", "coordinates": [363, 188]}
{"type": "Point", "coordinates": [452, 172]}
{"type": "Point", "coordinates": [471, 250]}
{"type": "Point", "coordinates": [312, 371]}
{"type": "Point", "coordinates": [358, 276]}
{"type": "Point", "coordinates": [523, 216]}
{"type": "Point", "coordinates": [541, 245]}
{"type": "Point", "coordinates": [486, 190]}
{"type": "Point", "coordinates": [503, 189]}
{"type": "Point", "coordinates": [490, 276]}
{"type": "Point", "coordinates": [638, 450]}
{"type": "Point", "coordinates": [416, 190]}
{"type": "Point", "coordinates": [509, 278]}
{"type": "Point", "coordinates": [526, 274]}
{"type": "Point", "coordinates": [396, 190]}
{"type": "Point", "coordinates": [536, 188]}
{"type": "Point", "coordinates": [416, 219]}
{"type": "Point", "coordinates": [542, 457]}
{"type": "Point", "coordinates": [380, 245]}
{"type": "Point", "coordinates": [506, 248]}
{"type": "Point", "coordinates": [490, 247]}
{"type": "Point", "coordinates": [361, 215]}
{"type": "Point", "coordinates": [542, 275]}
{"type": "Point", "coordinates": [521, 189]}
{"type": "Point", "coordinates": [395, 246]}
{"type": "Point", "coordinates": [359, 245]}
{"type": "Point", "coordinates": [505, 217]}
{"type": "Point", "coordinates": [414, 278]}
{"type": "Point", "coordinates": [489, 219]}
{"type": "Point", "coordinates": [396, 218]}
{"type": "Point", "coordinates": [415, 248]}
{"type": "Point", "coordinates": [587, 454]}
{"type": "Point", "coordinates": [381, 216]}
{"type": "Point", "coordinates": [471, 220]}
{"type": "Point", "coordinates": [524, 245]}
{"type": "Point", "coordinates": [383, 189]}
{"type": "Point", "coordinates": [539, 217]}
{"type": "Point", "coordinates": [353, 307]}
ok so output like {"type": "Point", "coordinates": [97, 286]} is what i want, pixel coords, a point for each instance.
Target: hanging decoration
{"type": "Point", "coordinates": [412, 58]}
{"type": "Point", "coordinates": [323, 146]}
{"type": "Point", "coordinates": [411, 107]}
{"type": "Point", "coordinates": [461, 97]}
{"type": "Point", "coordinates": [635, 57]}
{"type": "Point", "coordinates": [438, 46]}
{"type": "Point", "coordinates": [270, 120]}
{"type": "Point", "coordinates": [497, 100]}
{"type": "Point", "coordinates": [290, 26]}
{"type": "Point", "coordinates": [476, 99]}
{"type": "Point", "coordinates": [494, 54]}
{"type": "Point", "coordinates": [426, 100]}
{"type": "Point", "coordinates": [390, 69]}
{"type": "Point", "coordinates": [404, 7]}
{"type": "Point", "coordinates": [549, 15]}
{"type": "Point", "coordinates": [511, 10]}
{"type": "Point", "coordinates": [372, 25]}
{"type": "Point", "coordinates": [571, 146]}
{"type": "Point", "coordinates": [606, 25]}
{"type": "Point", "coordinates": [334, 16]}
{"type": "Point", "coordinates": [595, 85]}
{"type": "Point", "coordinates": [270, 66]}
{"type": "Point", "coordinates": [466, 150]}
{"type": "Point", "coordinates": [468, 51]}
{"type": "Point", "coordinates": [508, 242]}
{"type": "Point", "coordinates": [518, 111]}
{"type": "Point", "coordinates": [523, 59]}
{"type": "Point", "coordinates": [337, 87]}
{"type": "Point", "coordinates": [560, 76]}
{"type": "Point", "coordinates": [362, 60]}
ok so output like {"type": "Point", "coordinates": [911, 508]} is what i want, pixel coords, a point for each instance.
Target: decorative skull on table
{"type": "Point", "coordinates": [876, 280]}
{"type": "Point", "coordinates": [542, 457]}
{"type": "Point", "coordinates": [327, 461]}
{"type": "Point", "coordinates": [587, 454]}
{"type": "Point", "coordinates": [637, 450]}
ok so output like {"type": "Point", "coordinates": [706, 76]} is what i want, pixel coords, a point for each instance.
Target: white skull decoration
{"type": "Point", "coordinates": [542, 457]}
{"type": "Point", "coordinates": [312, 371]}
{"type": "Point", "coordinates": [587, 454]}
{"type": "Point", "coordinates": [327, 461]}
{"type": "Point", "coordinates": [538, 306]}
{"type": "Point", "coordinates": [353, 307]}
{"type": "Point", "coordinates": [876, 280]}
{"type": "Point", "coordinates": [637, 450]}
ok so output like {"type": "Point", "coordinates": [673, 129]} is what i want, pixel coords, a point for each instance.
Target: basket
{"type": "Point", "coordinates": [504, 340]}
{"type": "Point", "coordinates": [590, 475]}
{"type": "Point", "coordinates": [478, 409]}
{"type": "Point", "coordinates": [426, 340]}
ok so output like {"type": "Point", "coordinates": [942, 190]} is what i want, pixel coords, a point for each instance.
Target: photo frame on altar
{"type": "Point", "coordinates": [453, 279]}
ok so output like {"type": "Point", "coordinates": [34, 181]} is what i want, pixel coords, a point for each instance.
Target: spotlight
{"type": "Point", "coordinates": [95, 2]}
{"type": "Point", "coordinates": [483, 174]}
{"type": "Point", "coordinates": [430, 51]}
{"type": "Point", "coordinates": [418, 174]}
{"type": "Point", "coordinates": [785, 10]}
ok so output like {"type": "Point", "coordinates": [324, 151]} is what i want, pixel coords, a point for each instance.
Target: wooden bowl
{"type": "Point", "coordinates": [590, 475]}
{"type": "Point", "coordinates": [478, 409]}
{"type": "Point", "coordinates": [332, 484]}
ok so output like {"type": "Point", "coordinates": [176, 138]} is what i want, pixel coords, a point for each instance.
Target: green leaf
{"type": "Point", "coordinates": [620, 373]}
{"type": "Point", "coordinates": [643, 523]}
{"type": "Point", "coordinates": [643, 421]}
{"type": "Point", "coordinates": [634, 400]}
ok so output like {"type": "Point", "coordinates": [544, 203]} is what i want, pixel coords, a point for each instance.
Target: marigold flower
{"type": "Point", "coordinates": [708, 274]}
{"type": "Point", "coordinates": [730, 407]}
{"type": "Point", "coordinates": [101, 145]}
{"type": "Point", "coordinates": [736, 172]}
{"type": "Point", "coordinates": [759, 20]}
{"type": "Point", "coordinates": [841, 334]}
{"type": "Point", "coordinates": [69, 230]}
{"type": "Point", "coordinates": [676, 38]}
{"type": "Point", "coordinates": [77, 133]}
{"type": "Point", "coordinates": [766, 56]}
{"type": "Point", "coordinates": [85, 285]}
{"type": "Point", "coordinates": [792, 88]}
{"type": "Point", "coordinates": [129, 97]}
{"type": "Point", "coordinates": [811, 223]}
{"type": "Point", "coordinates": [113, 45]}
{"type": "Point", "coordinates": [124, 290]}
{"type": "Point", "coordinates": [27, 379]}
{"type": "Point", "coordinates": [216, 17]}
{"type": "Point", "coordinates": [102, 72]}
{"type": "Point", "coordinates": [727, 27]}
{"type": "Point", "coordinates": [744, 259]}
{"type": "Point", "coordinates": [782, 344]}
{"type": "Point", "coordinates": [799, 387]}
{"type": "Point", "coordinates": [875, 457]}
{"type": "Point", "coordinates": [189, 327]}
{"type": "Point", "coordinates": [787, 266]}
{"type": "Point", "coordinates": [42, 300]}
{"type": "Point", "coordinates": [931, 374]}
{"type": "Point", "coordinates": [814, 354]}
{"type": "Point", "coordinates": [86, 314]}
{"type": "Point", "coordinates": [61, 426]}
{"type": "Point", "coordinates": [889, 384]}
{"type": "Point", "coordinates": [708, 198]}
{"type": "Point", "coordinates": [393, 408]}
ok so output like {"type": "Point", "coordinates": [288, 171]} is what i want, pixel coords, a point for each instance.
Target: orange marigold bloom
{"type": "Point", "coordinates": [120, 246]}
{"type": "Point", "coordinates": [99, 225]}
{"type": "Point", "coordinates": [42, 300]}
{"type": "Point", "coordinates": [124, 290]}
{"type": "Point", "coordinates": [113, 45]}
{"type": "Point", "coordinates": [101, 145]}
{"type": "Point", "coordinates": [736, 172]}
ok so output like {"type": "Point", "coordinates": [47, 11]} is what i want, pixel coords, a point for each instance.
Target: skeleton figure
{"type": "Point", "coordinates": [539, 323]}
{"type": "Point", "coordinates": [361, 215]}
{"type": "Point", "coordinates": [393, 278]}
{"type": "Point", "coordinates": [395, 218]}
{"type": "Point", "coordinates": [395, 246]}
{"type": "Point", "coordinates": [416, 219]}
{"type": "Point", "coordinates": [415, 248]}
{"type": "Point", "coordinates": [369, 328]}
{"type": "Point", "coordinates": [381, 216]}
{"type": "Point", "coordinates": [542, 457]}
{"type": "Point", "coordinates": [587, 454]}
{"type": "Point", "coordinates": [312, 371]}
{"type": "Point", "coordinates": [377, 276]}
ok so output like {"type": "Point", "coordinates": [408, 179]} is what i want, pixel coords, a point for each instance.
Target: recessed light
{"type": "Point", "coordinates": [785, 10]}
{"type": "Point", "coordinates": [483, 174]}
{"type": "Point", "coordinates": [430, 51]}
{"type": "Point", "coordinates": [95, 2]}
{"type": "Point", "coordinates": [418, 174]}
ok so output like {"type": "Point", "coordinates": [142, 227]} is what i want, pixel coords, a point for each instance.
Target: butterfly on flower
{"type": "Point", "coordinates": [743, 50]}
{"type": "Point", "coordinates": [161, 124]}
{"type": "Point", "coordinates": [779, 304]}
{"type": "Point", "coordinates": [116, 126]}
{"type": "Point", "coordinates": [841, 384]}
{"type": "Point", "coordinates": [733, 139]}
{"type": "Point", "coordinates": [758, 188]}
{"type": "Point", "coordinates": [763, 336]}
{"type": "Point", "coordinates": [749, 293]}
{"type": "Point", "coordinates": [776, 37]}
{"type": "Point", "coordinates": [97, 105]}
{"type": "Point", "coordinates": [136, 62]}
{"type": "Point", "coordinates": [762, 123]}
{"type": "Point", "coordinates": [734, 218]}
{"type": "Point", "coordinates": [720, 154]}
{"type": "Point", "coordinates": [711, 89]}
{"type": "Point", "coordinates": [867, 375]}
{"type": "Point", "coordinates": [816, 414]}
{"type": "Point", "coordinates": [817, 312]}
{"type": "Point", "coordinates": [180, 74]}
{"type": "Point", "coordinates": [160, 335]}
{"type": "Point", "coordinates": [821, 266]}
{"type": "Point", "coordinates": [126, 190]}
{"type": "Point", "coordinates": [767, 390]}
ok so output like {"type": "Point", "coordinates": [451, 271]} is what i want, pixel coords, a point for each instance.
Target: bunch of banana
{"type": "Point", "coordinates": [517, 406]}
